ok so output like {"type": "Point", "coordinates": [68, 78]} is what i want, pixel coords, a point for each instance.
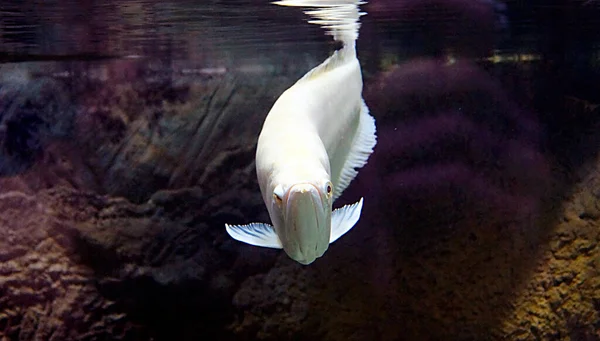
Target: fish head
{"type": "Point", "coordinates": [301, 215]}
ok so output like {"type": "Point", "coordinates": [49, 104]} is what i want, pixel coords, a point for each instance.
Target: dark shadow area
{"type": "Point", "coordinates": [166, 269]}
{"type": "Point", "coordinates": [473, 159]}
{"type": "Point", "coordinates": [31, 115]}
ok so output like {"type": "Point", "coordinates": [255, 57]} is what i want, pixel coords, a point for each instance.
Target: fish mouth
{"type": "Point", "coordinates": [303, 200]}
{"type": "Point", "coordinates": [306, 223]}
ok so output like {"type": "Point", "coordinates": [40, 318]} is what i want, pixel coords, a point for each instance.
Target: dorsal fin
{"type": "Point", "coordinates": [361, 148]}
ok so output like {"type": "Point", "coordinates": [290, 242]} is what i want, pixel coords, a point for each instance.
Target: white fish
{"type": "Point", "coordinates": [316, 134]}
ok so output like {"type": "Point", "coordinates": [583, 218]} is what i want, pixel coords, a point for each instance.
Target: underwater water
{"type": "Point", "coordinates": [128, 133]}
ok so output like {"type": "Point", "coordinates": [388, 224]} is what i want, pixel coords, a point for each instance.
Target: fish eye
{"type": "Point", "coordinates": [278, 194]}
{"type": "Point", "coordinates": [329, 189]}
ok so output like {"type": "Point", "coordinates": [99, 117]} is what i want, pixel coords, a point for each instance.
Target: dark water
{"type": "Point", "coordinates": [180, 30]}
{"type": "Point", "coordinates": [127, 140]}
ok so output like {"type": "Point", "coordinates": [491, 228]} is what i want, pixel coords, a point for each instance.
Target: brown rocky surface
{"type": "Point", "coordinates": [83, 266]}
{"type": "Point", "coordinates": [90, 250]}
{"type": "Point", "coordinates": [47, 292]}
{"type": "Point", "coordinates": [561, 299]}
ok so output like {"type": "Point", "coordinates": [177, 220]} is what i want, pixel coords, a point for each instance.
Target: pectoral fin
{"type": "Point", "coordinates": [343, 219]}
{"type": "Point", "coordinates": [257, 234]}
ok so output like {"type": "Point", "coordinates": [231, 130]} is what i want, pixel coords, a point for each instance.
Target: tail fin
{"type": "Point", "coordinates": [340, 18]}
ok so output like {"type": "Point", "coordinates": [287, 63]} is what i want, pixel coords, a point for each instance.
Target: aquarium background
{"type": "Point", "coordinates": [127, 139]}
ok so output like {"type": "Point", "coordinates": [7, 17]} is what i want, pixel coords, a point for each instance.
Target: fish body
{"type": "Point", "coordinates": [316, 134]}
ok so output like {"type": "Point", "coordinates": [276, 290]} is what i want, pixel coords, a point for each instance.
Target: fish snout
{"type": "Point", "coordinates": [302, 200]}
{"type": "Point", "coordinates": [307, 224]}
